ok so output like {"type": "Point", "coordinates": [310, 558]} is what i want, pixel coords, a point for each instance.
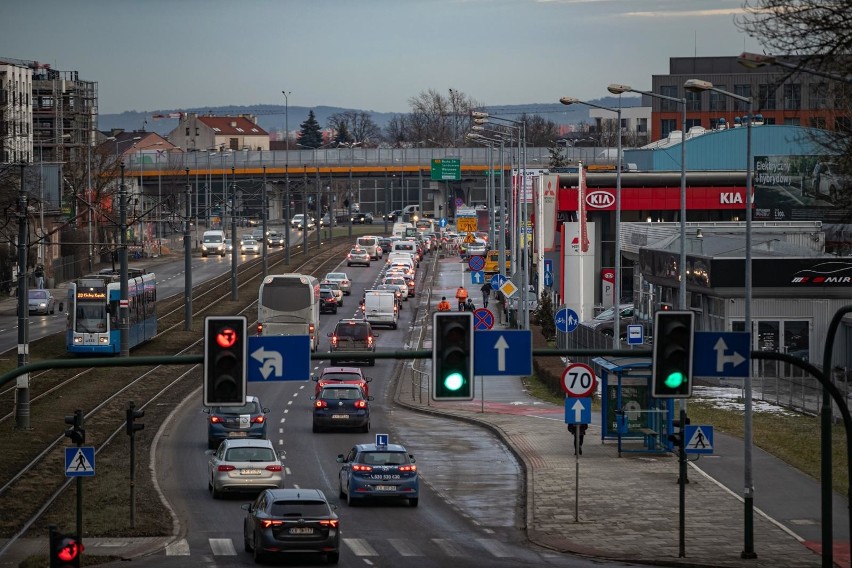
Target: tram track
{"type": "Point", "coordinates": [32, 477]}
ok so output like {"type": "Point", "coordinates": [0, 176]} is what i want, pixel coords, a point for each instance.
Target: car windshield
{"type": "Point", "coordinates": [330, 286]}
{"type": "Point", "coordinates": [383, 458]}
{"type": "Point", "coordinates": [299, 509]}
{"type": "Point", "coordinates": [341, 393]}
{"type": "Point", "coordinates": [250, 455]}
{"type": "Point", "coordinates": [247, 408]}
{"type": "Point", "coordinates": [357, 251]}
{"type": "Point", "coordinates": [38, 295]}
{"type": "Point", "coordinates": [335, 276]}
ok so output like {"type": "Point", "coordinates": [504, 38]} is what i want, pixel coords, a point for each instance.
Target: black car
{"type": "Point", "coordinates": [354, 336]}
{"type": "Point", "coordinates": [328, 301]}
{"type": "Point", "coordinates": [341, 406]}
{"type": "Point", "coordinates": [363, 218]}
{"type": "Point", "coordinates": [394, 215]}
{"type": "Point", "coordinates": [282, 521]}
{"type": "Point", "coordinates": [386, 244]}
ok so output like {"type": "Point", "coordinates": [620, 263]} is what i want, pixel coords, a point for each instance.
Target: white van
{"type": "Point", "coordinates": [380, 308]}
{"type": "Point", "coordinates": [213, 242]}
{"type": "Point", "coordinates": [399, 229]}
{"type": "Point", "coordinates": [404, 246]}
{"type": "Point", "coordinates": [371, 245]}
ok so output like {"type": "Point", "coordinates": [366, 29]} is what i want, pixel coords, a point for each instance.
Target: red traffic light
{"type": "Point", "coordinates": [226, 337]}
{"type": "Point", "coordinates": [69, 549]}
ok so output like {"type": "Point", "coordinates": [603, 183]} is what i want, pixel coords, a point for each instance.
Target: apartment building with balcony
{"type": "Point", "coordinates": [16, 116]}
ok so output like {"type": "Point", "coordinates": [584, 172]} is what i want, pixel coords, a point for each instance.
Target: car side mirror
{"type": "Point", "coordinates": [368, 379]}
{"type": "Point", "coordinates": [411, 457]}
{"type": "Point", "coordinates": [314, 378]}
{"type": "Point", "coordinates": [329, 334]}
{"type": "Point", "coordinates": [340, 458]}
{"type": "Point", "coordinates": [313, 398]}
{"type": "Point", "coordinates": [376, 335]}
{"type": "Point", "coordinates": [205, 410]}
{"type": "Point", "coordinates": [266, 411]}
{"type": "Point", "coordinates": [246, 506]}
{"type": "Point", "coordinates": [371, 398]}
{"type": "Point", "coordinates": [210, 452]}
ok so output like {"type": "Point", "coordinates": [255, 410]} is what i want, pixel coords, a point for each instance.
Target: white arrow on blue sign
{"type": "Point", "coordinates": [721, 354]}
{"type": "Point", "coordinates": [503, 352]}
{"type": "Point", "coordinates": [477, 277]}
{"type": "Point", "coordinates": [566, 320]}
{"type": "Point", "coordinates": [548, 279]}
{"type": "Point", "coordinates": [279, 358]}
{"type": "Point", "coordinates": [578, 410]}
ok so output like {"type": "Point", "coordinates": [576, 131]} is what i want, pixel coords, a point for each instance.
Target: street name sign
{"type": "Point", "coordinates": [279, 358]}
{"type": "Point", "coordinates": [502, 352]}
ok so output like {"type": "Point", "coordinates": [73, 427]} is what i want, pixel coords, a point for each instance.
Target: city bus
{"type": "Point", "coordinates": [93, 312]}
{"type": "Point", "coordinates": [288, 304]}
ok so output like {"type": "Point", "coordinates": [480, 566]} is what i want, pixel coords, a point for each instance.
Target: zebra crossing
{"type": "Point", "coordinates": [367, 548]}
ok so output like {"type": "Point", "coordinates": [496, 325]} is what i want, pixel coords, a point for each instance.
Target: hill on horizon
{"type": "Point", "coordinates": [272, 117]}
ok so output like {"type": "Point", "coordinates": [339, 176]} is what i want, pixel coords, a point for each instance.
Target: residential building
{"type": "Point", "coordinates": [16, 112]}
{"type": "Point", "coordinates": [207, 132]}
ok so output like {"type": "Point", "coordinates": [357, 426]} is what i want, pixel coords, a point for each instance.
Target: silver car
{"type": "Point", "coordinates": [341, 279]}
{"type": "Point", "coordinates": [41, 302]}
{"type": "Point", "coordinates": [243, 465]}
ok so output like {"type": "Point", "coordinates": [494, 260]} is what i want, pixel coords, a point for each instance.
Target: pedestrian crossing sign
{"type": "Point", "coordinates": [80, 461]}
{"type": "Point", "coordinates": [699, 439]}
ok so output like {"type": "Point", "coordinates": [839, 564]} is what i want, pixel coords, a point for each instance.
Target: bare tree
{"type": "Point", "coordinates": [541, 133]}
{"type": "Point", "coordinates": [359, 124]}
{"type": "Point", "coordinates": [435, 119]}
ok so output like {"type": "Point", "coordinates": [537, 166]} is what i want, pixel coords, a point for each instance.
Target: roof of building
{"type": "Point", "coordinates": [233, 125]}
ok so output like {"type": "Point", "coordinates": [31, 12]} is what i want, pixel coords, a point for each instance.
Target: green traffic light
{"type": "Point", "coordinates": [453, 381]}
{"type": "Point", "coordinates": [675, 379]}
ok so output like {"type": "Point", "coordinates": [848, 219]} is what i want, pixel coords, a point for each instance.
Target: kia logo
{"type": "Point", "coordinates": [600, 199]}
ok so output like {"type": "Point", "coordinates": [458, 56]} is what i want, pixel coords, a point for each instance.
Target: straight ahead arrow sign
{"type": "Point", "coordinates": [578, 408]}
{"type": "Point", "coordinates": [501, 346]}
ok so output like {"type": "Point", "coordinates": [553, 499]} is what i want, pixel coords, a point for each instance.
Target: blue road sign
{"type": "Point", "coordinates": [635, 335]}
{"type": "Point", "coordinates": [548, 279]}
{"type": "Point", "coordinates": [483, 319]}
{"type": "Point", "coordinates": [721, 354]}
{"type": "Point", "coordinates": [497, 281]}
{"type": "Point", "coordinates": [698, 439]}
{"type": "Point", "coordinates": [443, 222]}
{"type": "Point", "coordinates": [502, 352]}
{"type": "Point", "coordinates": [279, 358]}
{"type": "Point", "coordinates": [566, 320]}
{"type": "Point", "coordinates": [80, 461]}
{"type": "Point", "coordinates": [476, 262]}
{"type": "Point", "coordinates": [381, 439]}
{"type": "Point", "coordinates": [477, 277]}
{"type": "Point", "coordinates": [578, 410]}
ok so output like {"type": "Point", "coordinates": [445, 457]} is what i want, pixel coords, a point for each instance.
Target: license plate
{"type": "Point", "coordinates": [249, 472]}
{"type": "Point", "coordinates": [340, 416]}
{"type": "Point", "coordinates": [237, 434]}
{"type": "Point", "coordinates": [302, 530]}
{"type": "Point", "coordinates": [385, 488]}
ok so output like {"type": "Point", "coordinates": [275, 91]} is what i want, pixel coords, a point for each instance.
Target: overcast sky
{"type": "Point", "coordinates": [150, 55]}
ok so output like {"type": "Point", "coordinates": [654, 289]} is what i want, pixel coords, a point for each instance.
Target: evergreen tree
{"type": "Point", "coordinates": [342, 136]}
{"type": "Point", "coordinates": [310, 135]}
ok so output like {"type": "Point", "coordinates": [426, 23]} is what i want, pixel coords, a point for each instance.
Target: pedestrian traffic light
{"type": "Point", "coordinates": [65, 550]}
{"type": "Point", "coordinates": [452, 356]}
{"type": "Point", "coordinates": [132, 415]}
{"type": "Point", "coordinates": [225, 348]}
{"type": "Point", "coordinates": [76, 431]}
{"type": "Point", "coordinates": [672, 364]}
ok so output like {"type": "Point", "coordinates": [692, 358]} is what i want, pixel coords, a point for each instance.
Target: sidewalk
{"type": "Point", "coordinates": [628, 507]}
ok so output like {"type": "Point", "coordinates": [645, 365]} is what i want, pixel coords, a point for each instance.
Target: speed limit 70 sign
{"type": "Point", "coordinates": [578, 380]}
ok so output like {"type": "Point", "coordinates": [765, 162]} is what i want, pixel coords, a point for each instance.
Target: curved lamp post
{"type": "Point", "coordinates": [616, 320]}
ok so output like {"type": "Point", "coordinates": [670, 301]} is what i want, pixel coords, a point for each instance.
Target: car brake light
{"type": "Point", "coordinates": [215, 420]}
{"type": "Point", "coordinates": [269, 523]}
{"type": "Point", "coordinates": [258, 419]}
{"type": "Point", "coordinates": [359, 467]}
{"type": "Point", "coordinates": [226, 468]}
{"type": "Point", "coordinates": [334, 340]}
{"type": "Point", "coordinates": [360, 404]}
{"type": "Point", "coordinates": [369, 340]}
{"type": "Point", "coordinates": [329, 523]}
{"type": "Point", "coordinates": [276, 468]}
{"type": "Point", "coordinates": [408, 468]}
{"type": "Point", "coordinates": [321, 404]}
{"type": "Point", "coordinates": [311, 328]}
{"type": "Point", "coordinates": [260, 329]}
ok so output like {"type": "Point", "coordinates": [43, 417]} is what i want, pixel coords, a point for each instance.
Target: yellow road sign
{"type": "Point", "coordinates": [466, 224]}
{"type": "Point", "coordinates": [469, 239]}
{"type": "Point", "coordinates": [508, 289]}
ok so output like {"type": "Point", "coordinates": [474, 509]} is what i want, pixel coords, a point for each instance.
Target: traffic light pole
{"type": "Point", "coordinates": [187, 257]}
{"type": "Point", "coordinates": [123, 305]}
{"type": "Point", "coordinates": [682, 481]}
{"type": "Point", "coordinates": [22, 392]}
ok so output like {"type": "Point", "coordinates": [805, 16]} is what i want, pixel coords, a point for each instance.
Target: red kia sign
{"type": "Point", "coordinates": [654, 198]}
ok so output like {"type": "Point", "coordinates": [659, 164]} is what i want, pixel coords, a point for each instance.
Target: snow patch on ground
{"type": "Point", "coordinates": [732, 399]}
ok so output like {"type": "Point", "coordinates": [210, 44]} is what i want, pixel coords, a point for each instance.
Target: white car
{"type": "Point", "coordinates": [341, 279]}
{"type": "Point", "coordinates": [298, 222]}
{"type": "Point", "coordinates": [249, 246]}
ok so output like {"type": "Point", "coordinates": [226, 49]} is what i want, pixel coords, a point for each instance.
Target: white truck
{"type": "Point", "coordinates": [213, 242]}
{"type": "Point", "coordinates": [380, 308]}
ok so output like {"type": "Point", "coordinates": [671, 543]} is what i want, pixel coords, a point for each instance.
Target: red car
{"type": "Point", "coordinates": [345, 375]}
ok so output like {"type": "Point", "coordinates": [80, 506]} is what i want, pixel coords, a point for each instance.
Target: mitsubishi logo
{"type": "Point", "coordinates": [600, 199]}
{"type": "Point", "coordinates": [549, 191]}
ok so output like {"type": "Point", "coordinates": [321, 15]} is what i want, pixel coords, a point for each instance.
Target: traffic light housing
{"type": "Point", "coordinates": [132, 414]}
{"type": "Point", "coordinates": [452, 356]}
{"type": "Point", "coordinates": [673, 344]}
{"type": "Point", "coordinates": [76, 431]}
{"type": "Point", "coordinates": [225, 351]}
{"type": "Point", "coordinates": [65, 550]}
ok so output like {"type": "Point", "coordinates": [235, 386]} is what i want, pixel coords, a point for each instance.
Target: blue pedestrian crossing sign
{"type": "Point", "coordinates": [698, 439]}
{"type": "Point", "coordinates": [503, 352]}
{"type": "Point", "coordinates": [477, 277]}
{"type": "Point", "coordinates": [497, 281]}
{"type": "Point", "coordinates": [578, 410]}
{"type": "Point", "coordinates": [279, 358]}
{"type": "Point", "coordinates": [80, 461]}
{"type": "Point", "coordinates": [566, 320]}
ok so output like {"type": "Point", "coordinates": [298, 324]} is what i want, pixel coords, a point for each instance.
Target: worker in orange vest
{"type": "Point", "coordinates": [444, 305]}
{"type": "Point", "coordinates": [461, 296]}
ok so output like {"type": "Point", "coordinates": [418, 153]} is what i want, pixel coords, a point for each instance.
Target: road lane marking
{"type": "Point", "coordinates": [360, 547]}
{"type": "Point", "coordinates": [222, 547]}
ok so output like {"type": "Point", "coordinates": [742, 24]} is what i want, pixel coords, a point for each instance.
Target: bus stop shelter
{"type": "Point", "coordinates": [630, 415]}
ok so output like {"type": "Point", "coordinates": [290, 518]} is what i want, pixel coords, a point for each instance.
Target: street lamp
{"type": "Point", "coordinates": [616, 323]}
{"type": "Point", "coordinates": [755, 60]}
{"type": "Point", "coordinates": [617, 89]}
{"type": "Point", "coordinates": [697, 86]}
{"type": "Point", "coordinates": [286, 174]}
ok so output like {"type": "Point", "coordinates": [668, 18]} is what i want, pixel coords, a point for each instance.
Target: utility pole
{"type": "Point", "coordinates": [123, 302]}
{"type": "Point", "coordinates": [187, 257]}
{"type": "Point", "coordinates": [234, 250]}
{"type": "Point", "coordinates": [22, 396]}
{"type": "Point", "coordinates": [263, 208]}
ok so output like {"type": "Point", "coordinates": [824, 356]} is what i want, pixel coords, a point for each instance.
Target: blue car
{"type": "Point", "coordinates": [236, 422]}
{"type": "Point", "coordinates": [370, 471]}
